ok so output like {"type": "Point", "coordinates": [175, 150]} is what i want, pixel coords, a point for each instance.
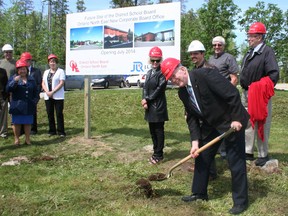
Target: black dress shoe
{"type": "Point", "coordinates": [195, 197]}
{"type": "Point", "coordinates": [261, 161]}
{"type": "Point", "coordinates": [237, 209]}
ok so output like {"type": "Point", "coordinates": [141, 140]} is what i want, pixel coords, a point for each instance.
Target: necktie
{"type": "Point", "coordinates": [193, 98]}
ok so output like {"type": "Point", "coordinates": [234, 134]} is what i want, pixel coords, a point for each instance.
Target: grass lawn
{"type": "Point", "coordinates": [97, 176]}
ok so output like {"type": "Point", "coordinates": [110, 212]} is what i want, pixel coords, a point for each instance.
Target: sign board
{"type": "Point", "coordinates": [117, 41]}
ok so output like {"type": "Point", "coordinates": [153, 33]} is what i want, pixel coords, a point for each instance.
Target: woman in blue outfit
{"type": "Point", "coordinates": [23, 101]}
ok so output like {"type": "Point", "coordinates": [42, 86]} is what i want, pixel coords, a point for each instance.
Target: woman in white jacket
{"type": "Point", "coordinates": [53, 86]}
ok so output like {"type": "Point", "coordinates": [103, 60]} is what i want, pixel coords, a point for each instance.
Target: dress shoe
{"type": "Point", "coordinates": [195, 197]}
{"type": "Point", "coordinates": [261, 161]}
{"type": "Point", "coordinates": [237, 209]}
{"type": "Point", "coordinates": [250, 157]}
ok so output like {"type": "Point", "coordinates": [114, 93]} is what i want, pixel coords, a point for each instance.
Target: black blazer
{"type": "Point", "coordinates": [154, 93]}
{"type": "Point", "coordinates": [36, 74]}
{"type": "Point", "coordinates": [218, 100]}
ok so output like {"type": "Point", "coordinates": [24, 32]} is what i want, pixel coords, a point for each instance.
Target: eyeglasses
{"type": "Point", "coordinates": [219, 45]}
{"type": "Point", "coordinates": [8, 52]}
{"type": "Point", "coordinates": [155, 60]}
{"type": "Point", "coordinates": [252, 36]}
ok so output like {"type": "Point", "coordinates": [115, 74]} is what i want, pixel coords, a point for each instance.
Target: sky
{"type": "Point", "coordinates": [94, 5]}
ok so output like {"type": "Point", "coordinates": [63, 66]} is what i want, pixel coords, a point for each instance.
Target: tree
{"type": "Point", "coordinates": [218, 18]}
{"type": "Point", "coordinates": [272, 17]}
{"type": "Point", "coordinates": [191, 29]}
{"type": "Point", "coordinates": [80, 5]}
{"type": "Point", "coordinates": [60, 10]}
{"type": "Point", "coordinates": [276, 25]}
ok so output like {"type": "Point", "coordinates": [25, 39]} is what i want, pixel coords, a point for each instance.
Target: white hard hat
{"type": "Point", "coordinates": [7, 47]}
{"type": "Point", "coordinates": [196, 45]}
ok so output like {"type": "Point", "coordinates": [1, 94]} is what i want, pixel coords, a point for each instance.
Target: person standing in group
{"type": "Point", "coordinates": [213, 105]}
{"type": "Point", "coordinates": [227, 66]}
{"type": "Point", "coordinates": [197, 53]}
{"type": "Point", "coordinates": [23, 101]}
{"type": "Point", "coordinates": [155, 105]}
{"type": "Point", "coordinates": [259, 68]}
{"type": "Point", "coordinates": [7, 63]}
{"type": "Point", "coordinates": [53, 86]}
{"type": "Point", "coordinates": [225, 62]}
{"type": "Point", "coordinates": [36, 74]}
{"type": "Point", "coordinates": [3, 101]}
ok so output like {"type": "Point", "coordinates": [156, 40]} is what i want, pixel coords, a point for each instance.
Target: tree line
{"type": "Point", "coordinates": [41, 33]}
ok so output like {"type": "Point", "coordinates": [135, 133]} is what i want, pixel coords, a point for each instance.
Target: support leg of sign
{"type": "Point", "coordinates": [87, 127]}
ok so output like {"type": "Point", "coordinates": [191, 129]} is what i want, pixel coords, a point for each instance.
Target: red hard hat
{"type": "Point", "coordinates": [257, 28]}
{"type": "Point", "coordinates": [21, 63]}
{"type": "Point", "coordinates": [155, 52]}
{"type": "Point", "coordinates": [26, 56]}
{"type": "Point", "coordinates": [168, 66]}
{"type": "Point", "coordinates": [51, 56]}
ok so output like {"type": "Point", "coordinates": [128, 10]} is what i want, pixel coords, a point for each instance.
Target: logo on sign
{"type": "Point", "coordinates": [73, 66]}
{"type": "Point", "coordinates": [137, 67]}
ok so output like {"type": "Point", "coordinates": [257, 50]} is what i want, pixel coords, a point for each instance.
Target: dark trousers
{"type": "Point", "coordinates": [157, 135]}
{"type": "Point", "coordinates": [34, 125]}
{"type": "Point", "coordinates": [236, 159]}
{"type": "Point", "coordinates": [58, 106]}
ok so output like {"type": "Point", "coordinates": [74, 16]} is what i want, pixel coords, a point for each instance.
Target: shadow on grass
{"type": "Point", "coordinates": [167, 192]}
{"type": "Point", "coordinates": [178, 137]}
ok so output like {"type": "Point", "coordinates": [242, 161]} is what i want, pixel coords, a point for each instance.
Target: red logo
{"type": "Point", "coordinates": [73, 66]}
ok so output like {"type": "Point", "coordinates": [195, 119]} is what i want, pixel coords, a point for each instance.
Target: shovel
{"type": "Point", "coordinates": [161, 176]}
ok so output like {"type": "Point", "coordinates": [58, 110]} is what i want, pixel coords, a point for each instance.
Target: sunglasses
{"type": "Point", "coordinates": [155, 60]}
{"type": "Point", "coordinates": [8, 52]}
{"type": "Point", "coordinates": [219, 45]}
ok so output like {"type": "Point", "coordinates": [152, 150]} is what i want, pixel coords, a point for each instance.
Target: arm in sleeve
{"type": "Point", "coordinates": [271, 66]}
{"type": "Point", "coordinates": [12, 84]}
{"type": "Point", "coordinates": [160, 88]}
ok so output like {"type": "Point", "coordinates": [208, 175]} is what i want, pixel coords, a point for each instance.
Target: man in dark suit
{"type": "Point", "coordinates": [36, 74]}
{"type": "Point", "coordinates": [213, 106]}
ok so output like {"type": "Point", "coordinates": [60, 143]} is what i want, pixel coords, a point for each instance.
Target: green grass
{"type": "Point", "coordinates": [97, 176]}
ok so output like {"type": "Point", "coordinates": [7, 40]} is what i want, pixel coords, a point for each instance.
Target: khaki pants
{"type": "Point", "coordinates": [3, 117]}
{"type": "Point", "coordinates": [251, 135]}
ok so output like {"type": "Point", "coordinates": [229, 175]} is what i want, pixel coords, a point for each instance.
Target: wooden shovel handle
{"type": "Point", "coordinates": [212, 142]}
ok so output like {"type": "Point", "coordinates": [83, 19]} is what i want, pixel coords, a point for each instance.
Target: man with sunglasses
{"type": "Point", "coordinates": [227, 66]}
{"type": "Point", "coordinates": [225, 62]}
{"type": "Point", "coordinates": [259, 68]}
{"type": "Point", "coordinates": [7, 63]}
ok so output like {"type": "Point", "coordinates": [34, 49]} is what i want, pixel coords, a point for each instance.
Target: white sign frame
{"type": "Point", "coordinates": [117, 41]}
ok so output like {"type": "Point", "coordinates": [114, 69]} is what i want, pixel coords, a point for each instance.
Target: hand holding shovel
{"type": "Point", "coordinates": [161, 176]}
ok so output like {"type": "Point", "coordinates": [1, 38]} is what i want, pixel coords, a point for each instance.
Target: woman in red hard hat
{"type": "Point", "coordinates": [23, 101]}
{"type": "Point", "coordinates": [154, 103]}
{"type": "Point", "coordinates": [53, 86]}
